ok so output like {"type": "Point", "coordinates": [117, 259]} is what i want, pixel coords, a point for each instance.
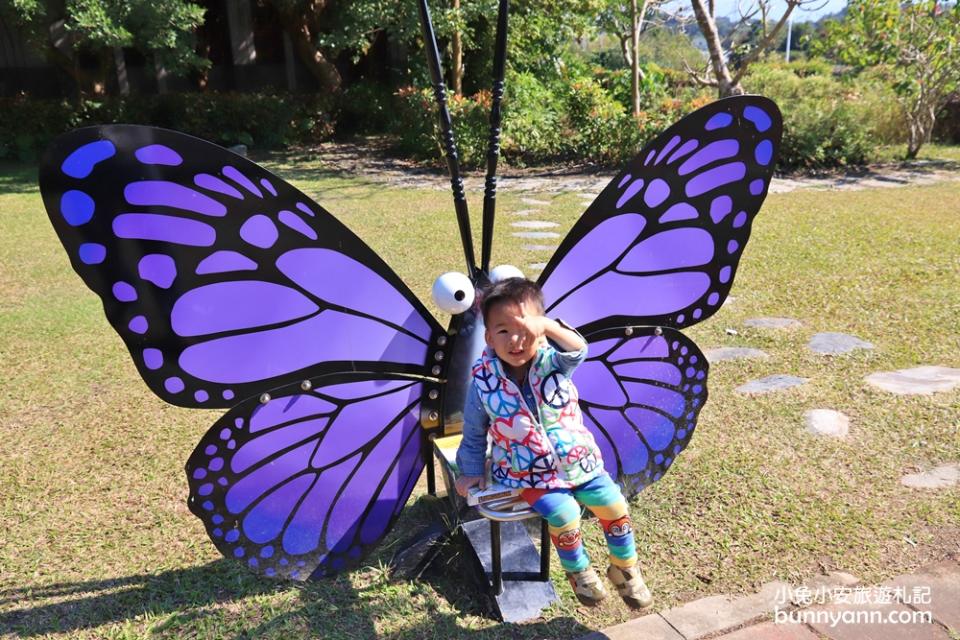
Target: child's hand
{"type": "Point", "coordinates": [539, 328]}
{"type": "Point", "coordinates": [464, 483]}
{"type": "Point", "coordinates": [535, 328]}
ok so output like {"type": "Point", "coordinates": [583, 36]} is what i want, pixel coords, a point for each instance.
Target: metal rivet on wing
{"type": "Point", "coordinates": [436, 370]}
{"type": "Point", "coordinates": [658, 331]}
{"type": "Point", "coordinates": [442, 341]}
{"type": "Point", "coordinates": [264, 398]}
{"type": "Point", "coordinates": [438, 356]}
{"type": "Point", "coordinates": [628, 331]}
{"type": "Point", "coordinates": [306, 385]}
{"type": "Point", "coordinates": [434, 394]}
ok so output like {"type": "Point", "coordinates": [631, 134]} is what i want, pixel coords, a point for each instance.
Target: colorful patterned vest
{"type": "Point", "coordinates": [542, 447]}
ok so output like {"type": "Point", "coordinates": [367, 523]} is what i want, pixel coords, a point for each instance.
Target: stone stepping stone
{"type": "Point", "coordinates": [776, 382]}
{"type": "Point", "coordinates": [540, 235]}
{"type": "Point", "coordinates": [534, 202]}
{"type": "Point", "coordinates": [946, 475]}
{"type": "Point", "coordinates": [537, 266]}
{"type": "Point", "coordinates": [772, 323]}
{"type": "Point", "coordinates": [539, 247]}
{"type": "Point", "coordinates": [525, 212]}
{"type": "Point", "coordinates": [534, 224]}
{"type": "Point", "coordinates": [733, 353]}
{"type": "Point", "coordinates": [917, 381]}
{"type": "Point", "coordinates": [836, 343]}
{"type": "Point", "coordinates": [942, 582]}
{"type": "Point", "coordinates": [827, 422]}
{"type": "Point", "coordinates": [714, 614]}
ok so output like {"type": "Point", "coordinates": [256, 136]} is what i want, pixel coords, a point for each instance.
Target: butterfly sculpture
{"type": "Point", "coordinates": [232, 289]}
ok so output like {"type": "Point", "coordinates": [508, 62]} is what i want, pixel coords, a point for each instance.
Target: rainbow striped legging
{"type": "Point", "coordinates": [561, 510]}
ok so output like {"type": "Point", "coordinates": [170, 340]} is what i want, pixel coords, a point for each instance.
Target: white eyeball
{"type": "Point", "coordinates": [453, 292]}
{"type": "Point", "coordinates": [503, 272]}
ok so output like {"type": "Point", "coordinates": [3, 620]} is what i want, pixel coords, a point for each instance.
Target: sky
{"type": "Point", "coordinates": [819, 8]}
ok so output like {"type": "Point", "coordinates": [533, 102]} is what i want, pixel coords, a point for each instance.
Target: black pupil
{"type": "Point", "coordinates": [459, 295]}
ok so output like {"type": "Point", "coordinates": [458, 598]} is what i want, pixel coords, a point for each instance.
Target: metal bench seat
{"type": "Point", "coordinates": [513, 540]}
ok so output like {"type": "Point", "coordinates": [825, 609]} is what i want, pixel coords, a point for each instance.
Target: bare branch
{"type": "Point", "coordinates": [700, 78]}
{"type": "Point", "coordinates": [766, 42]}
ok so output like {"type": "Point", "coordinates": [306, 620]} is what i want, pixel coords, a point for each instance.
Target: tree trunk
{"type": "Point", "coordinates": [58, 49]}
{"type": "Point", "coordinates": [297, 25]}
{"type": "Point", "coordinates": [922, 122]}
{"type": "Point", "coordinates": [725, 83]}
{"type": "Point", "coordinates": [123, 82]}
{"type": "Point", "coordinates": [456, 44]}
{"type": "Point", "coordinates": [634, 62]}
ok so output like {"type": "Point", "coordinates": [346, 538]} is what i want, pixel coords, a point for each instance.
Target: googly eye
{"type": "Point", "coordinates": [453, 292]}
{"type": "Point", "coordinates": [504, 271]}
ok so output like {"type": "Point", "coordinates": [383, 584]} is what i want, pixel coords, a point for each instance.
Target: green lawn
{"type": "Point", "coordinates": [97, 540]}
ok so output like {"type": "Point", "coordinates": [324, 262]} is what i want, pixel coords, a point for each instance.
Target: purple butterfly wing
{"type": "Point", "coordinates": [661, 243]}
{"type": "Point", "coordinates": [640, 393]}
{"type": "Point", "coordinates": [222, 279]}
{"type": "Point", "coordinates": [308, 483]}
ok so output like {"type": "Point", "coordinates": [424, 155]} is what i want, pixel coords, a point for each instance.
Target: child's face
{"type": "Point", "coordinates": [507, 334]}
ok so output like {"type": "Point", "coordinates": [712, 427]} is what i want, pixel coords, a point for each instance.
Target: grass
{"type": "Point", "coordinates": [97, 540]}
{"type": "Point", "coordinates": [933, 152]}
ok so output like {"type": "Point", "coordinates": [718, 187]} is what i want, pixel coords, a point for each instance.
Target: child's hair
{"type": "Point", "coordinates": [515, 290]}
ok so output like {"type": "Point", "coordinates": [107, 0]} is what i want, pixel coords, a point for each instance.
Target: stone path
{"type": "Point", "coordinates": [917, 381]}
{"type": "Point", "coordinates": [733, 353]}
{"type": "Point", "coordinates": [370, 160]}
{"type": "Point", "coordinates": [827, 422]}
{"type": "Point", "coordinates": [831, 343]}
{"type": "Point", "coordinates": [776, 382]}
{"type": "Point", "coordinates": [521, 229]}
{"type": "Point", "coordinates": [941, 477]}
{"type": "Point", "coordinates": [924, 605]}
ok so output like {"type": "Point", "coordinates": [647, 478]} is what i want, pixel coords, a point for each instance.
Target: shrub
{"type": "Point", "coordinates": [875, 103]}
{"type": "Point", "coordinates": [822, 125]}
{"type": "Point", "coordinates": [572, 120]}
{"type": "Point", "coordinates": [263, 120]}
{"type": "Point", "coordinates": [598, 127]}
{"type": "Point", "coordinates": [654, 86]}
{"type": "Point", "coordinates": [532, 130]}
{"type": "Point", "coordinates": [366, 107]}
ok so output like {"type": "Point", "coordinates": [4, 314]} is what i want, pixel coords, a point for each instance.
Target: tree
{"type": "Point", "coordinates": [302, 20]}
{"type": "Point", "coordinates": [626, 20]}
{"type": "Point", "coordinates": [325, 30]}
{"type": "Point", "coordinates": [757, 15]}
{"type": "Point", "coordinates": [99, 29]}
{"type": "Point", "coordinates": [918, 43]}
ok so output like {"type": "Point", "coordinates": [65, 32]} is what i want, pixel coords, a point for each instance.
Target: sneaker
{"type": "Point", "coordinates": [630, 585]}
{"type": "Point", "coordinates": [587, 587]}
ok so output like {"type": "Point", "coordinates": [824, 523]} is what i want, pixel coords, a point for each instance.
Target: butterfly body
{"type": "Point", "coordinates": [232, 289]}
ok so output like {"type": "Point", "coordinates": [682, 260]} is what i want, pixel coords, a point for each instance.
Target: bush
{"type": "Point", "coordinates": [267, 121]}
{"type": "Point", "coordinates": [823, 126]}
{"type": "Point", "coordinates": [874, 102]}
{"type": "Point", "coordinates": [573, 120]}
{"type": "Point", "coordinates": [654, 86]}
{"type": "Point", "coordinates": [366, 107]}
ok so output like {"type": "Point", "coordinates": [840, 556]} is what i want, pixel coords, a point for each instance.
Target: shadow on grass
{"type": "Point", "coordinates": [181, 599]}
{"type": "Point", "coordinates": [222, 599]}
{"type": "Point", "coordinates": [17, 178]}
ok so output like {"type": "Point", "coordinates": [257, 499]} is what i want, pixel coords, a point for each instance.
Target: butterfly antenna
{"type": "Point", "coordinates": [446, 128]}
{"type": "Point", "coordinates": [493, 150]}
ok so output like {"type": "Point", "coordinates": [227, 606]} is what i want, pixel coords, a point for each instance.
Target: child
{"type": "Point", "coordinates": [523, 397]}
